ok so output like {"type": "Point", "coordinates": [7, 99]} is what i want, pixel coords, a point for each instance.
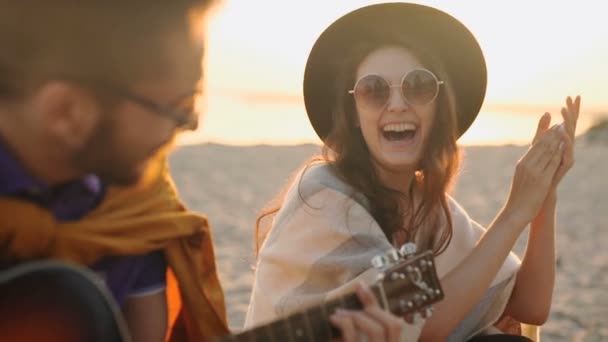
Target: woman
{"type": "Point", "coordinates": [389, 88]}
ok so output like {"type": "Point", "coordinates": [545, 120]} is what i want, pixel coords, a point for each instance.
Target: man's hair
{"type": "Point", "coordinates": [121, 41]}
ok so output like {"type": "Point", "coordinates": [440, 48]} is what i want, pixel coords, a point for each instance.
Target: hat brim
{"type": "Point", "coordinates": [442, 34]}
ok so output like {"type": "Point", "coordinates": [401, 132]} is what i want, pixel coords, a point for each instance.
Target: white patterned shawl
{"type": "Point", "coordinates": [321, 244]}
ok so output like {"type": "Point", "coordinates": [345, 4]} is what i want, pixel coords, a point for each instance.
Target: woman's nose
{"type": "Point", "coordinates": [396, 102]}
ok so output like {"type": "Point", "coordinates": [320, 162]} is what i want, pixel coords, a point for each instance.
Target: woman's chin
{"type": "Point", "coordinates": [399, 162]}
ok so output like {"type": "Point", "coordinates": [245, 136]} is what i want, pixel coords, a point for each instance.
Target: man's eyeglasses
{"type": "Point", "coordinates": [182, 111]}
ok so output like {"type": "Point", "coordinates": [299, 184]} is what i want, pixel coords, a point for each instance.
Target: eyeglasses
{"type": "Point", "coordinates": [181, 111]}
{"type": "Point", "coordinates": [417, 87]}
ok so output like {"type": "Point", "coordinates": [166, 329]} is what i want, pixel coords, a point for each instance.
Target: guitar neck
{"type": "Point", "coordinates": [308, 325]}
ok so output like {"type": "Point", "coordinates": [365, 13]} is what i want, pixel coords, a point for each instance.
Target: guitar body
{"type": "Point", "coordinates": [49, 301]}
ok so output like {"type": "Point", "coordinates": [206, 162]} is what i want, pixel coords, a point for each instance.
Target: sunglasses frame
{"type": "Point", "coordinates": [400, 86]}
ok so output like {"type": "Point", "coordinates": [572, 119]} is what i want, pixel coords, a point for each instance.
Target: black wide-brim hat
{"type": "Point", "coordinates": [442, 35]}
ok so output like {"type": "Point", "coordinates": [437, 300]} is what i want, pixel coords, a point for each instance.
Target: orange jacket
{"type": "Point", "coordinates": [131, 221]}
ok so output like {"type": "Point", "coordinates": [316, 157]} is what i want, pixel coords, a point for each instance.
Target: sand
{"type": "Point", "coordinates": [231, 184]}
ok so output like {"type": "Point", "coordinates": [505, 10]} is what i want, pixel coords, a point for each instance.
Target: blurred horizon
{"type": "Point", "coordinates": [537, 54]}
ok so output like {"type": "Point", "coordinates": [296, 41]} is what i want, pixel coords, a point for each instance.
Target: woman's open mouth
{"type": "Point", "coordinates": [399, 132]}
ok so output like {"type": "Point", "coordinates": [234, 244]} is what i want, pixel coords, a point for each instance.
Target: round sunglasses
{"type": "Point", "coordinates": [418, 87]}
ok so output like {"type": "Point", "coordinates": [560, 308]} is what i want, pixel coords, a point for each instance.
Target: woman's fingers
{"type": "Point", "coordinates": [543, 125]}
{"type": "Point", "coordinates": [346, 324]}
{"type": "Point", "coordinates": [391, 324]}
{"type": "Point", "coordinates": [370, 327]}
{"type": "Point", "coordinates": [545, 163]}
{"type": "Point", "coordinates": [535, 173]}
{"type": "Point", "coordinates": [366, 296]}
{"type": "Point", "coordinates": [539, 155]}
{"type": "Point", "coordinates": [567, 160]}
{"type": "Point", "coordinates": [568, 121]}
{"type": "Point", "coordinates": [372, 323]}
{"type": "Point", "coordinates": [570, 113]}
{"type": "Point", "coordinates": [552, 152]}
{"type": "Point", "coordinates": [574, 106]}
{"type": "Point", "coordinates": [553, 164]}
{"type": "Point", "coordinates": [357, 325]}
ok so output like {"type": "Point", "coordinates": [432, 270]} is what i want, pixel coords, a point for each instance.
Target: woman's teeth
{"type": "Point", "coordinates": [399, 127]}
{"type": "Point", "coordinates": [399, 131]}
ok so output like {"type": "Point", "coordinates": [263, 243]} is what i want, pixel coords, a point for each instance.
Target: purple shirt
{"type": "Point", "coordinates": [125, 276]}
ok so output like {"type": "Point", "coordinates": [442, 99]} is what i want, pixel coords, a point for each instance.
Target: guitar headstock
{"type": "Point", "coordinates": [408, 282]}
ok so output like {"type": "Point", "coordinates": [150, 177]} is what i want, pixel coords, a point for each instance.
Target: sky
{"type": "Point", "coordinates": [537, 53]}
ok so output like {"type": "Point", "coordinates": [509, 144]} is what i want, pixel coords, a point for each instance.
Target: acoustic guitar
{"type": "Point", "coordinates": [48, 301]}
{"type": "Point", "coordinates": [407, 284]}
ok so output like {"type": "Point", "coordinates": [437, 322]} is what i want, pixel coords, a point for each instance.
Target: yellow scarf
{"type": "Point", "coordinates": [131, 221]}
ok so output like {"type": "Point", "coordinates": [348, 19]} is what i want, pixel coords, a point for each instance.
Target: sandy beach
{"type": "Point", "coordinates": [231, 184]}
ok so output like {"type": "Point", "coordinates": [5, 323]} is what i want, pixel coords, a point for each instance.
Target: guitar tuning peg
{"type": "Point", "coordinates": [392, 256]}
{"type": "Point", "coordinates": [379, 262]}
{"type": "Point", "coordinates": [389, 258]}
{"type": "Point", "coordinates": [407, 250]}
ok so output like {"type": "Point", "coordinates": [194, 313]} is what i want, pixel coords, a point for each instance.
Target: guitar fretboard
{"type": "Point", "coordinates": [308, 325]}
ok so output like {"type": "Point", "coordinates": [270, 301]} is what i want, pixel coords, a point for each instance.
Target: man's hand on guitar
{"type": "Point", "coordinates": [370, 324]}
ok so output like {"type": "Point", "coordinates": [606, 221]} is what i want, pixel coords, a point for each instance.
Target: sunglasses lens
{"type": "Point", "coordinates": [372, 91]}
{"type": "Point", "coordinates": [420, 87]}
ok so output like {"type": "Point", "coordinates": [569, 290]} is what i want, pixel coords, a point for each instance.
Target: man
{"type": "Point", "coordinates": [90, 92]}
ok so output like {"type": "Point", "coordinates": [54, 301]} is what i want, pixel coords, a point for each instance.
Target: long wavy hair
{"type": "Point", "coordinates": [401, 218]}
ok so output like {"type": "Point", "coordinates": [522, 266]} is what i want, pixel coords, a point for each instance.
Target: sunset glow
{"type": "Point", "coordinates": [538, 52]}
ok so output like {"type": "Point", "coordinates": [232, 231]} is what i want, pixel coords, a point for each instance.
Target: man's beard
{"type": "Point", "coordinates": [102, 156]}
